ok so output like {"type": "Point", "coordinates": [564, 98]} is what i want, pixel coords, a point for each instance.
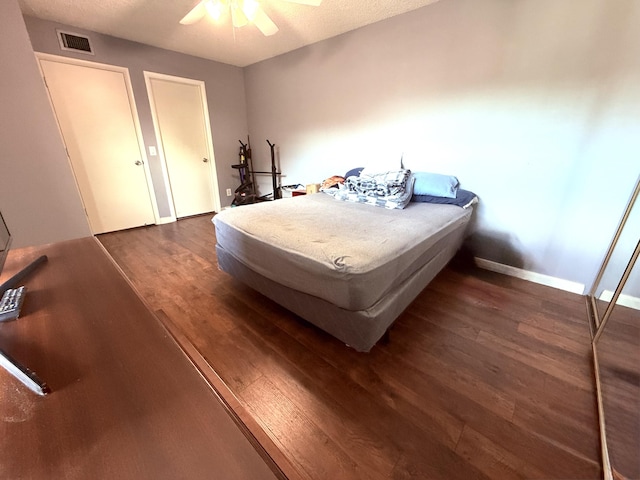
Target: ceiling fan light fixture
{"type": "Point", "coordinates": [241, 11]}
{"type": "Point", "coordinates": [215, 8]}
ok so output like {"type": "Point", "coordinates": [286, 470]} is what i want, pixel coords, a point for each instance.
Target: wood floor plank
{"type": "Point", "coordinates": [562, 343]}
{"type": "Point", "coordinates": [438, 366]}
{"type": "Point", "coordinates": [293, 429]}
{"type": "Point", "coordinates": [494, 460]}
{"type": "Point", "coordinates": [368, 448]}
{"type": "Point", "coordinates": [575, 374]}
{"type": "Point", "coordinates": [557, 426]}
{"type": "Point", "coordinates": [311, 383]}
{"type": "Point", "coordinates": [483, 376]}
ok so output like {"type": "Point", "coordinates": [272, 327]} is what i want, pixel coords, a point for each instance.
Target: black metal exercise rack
{"type": "Point", "coordinates": [246, 193]}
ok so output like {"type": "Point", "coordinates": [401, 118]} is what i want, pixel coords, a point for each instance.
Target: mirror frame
{"type": "Point", "coordinates": [598, 323]}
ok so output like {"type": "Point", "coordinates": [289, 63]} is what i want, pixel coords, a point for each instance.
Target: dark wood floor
{"type": "Point", "coordinates": [484, 376]}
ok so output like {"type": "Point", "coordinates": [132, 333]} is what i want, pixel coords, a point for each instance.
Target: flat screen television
{"type": "Point", "coordinates": [5, 243]}
{"type": "Point", "coordinates": [15, 368]}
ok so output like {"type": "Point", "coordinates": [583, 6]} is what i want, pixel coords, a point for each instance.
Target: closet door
{"type": "Point", "coordinates": [614, 303]}
{"type": "Point", "coordinates": [94, 109]}
{"type": "Point", "coordinates": [181, 121]}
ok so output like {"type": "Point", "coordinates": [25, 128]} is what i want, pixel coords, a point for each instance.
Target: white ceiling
{"type": "Point", "coordinates": [156, 22]}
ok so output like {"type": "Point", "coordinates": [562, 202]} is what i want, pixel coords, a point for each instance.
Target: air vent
{"type": "Point", "coordinates": [74, 43]}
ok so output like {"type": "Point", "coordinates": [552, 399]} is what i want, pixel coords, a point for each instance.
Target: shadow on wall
{"type": "Point", "coordinates": [500, 247]}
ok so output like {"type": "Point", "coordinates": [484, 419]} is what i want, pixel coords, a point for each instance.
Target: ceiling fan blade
{"type": "Point", "coordinates": [313, 3]}
{"type": "Point", "coordinates": [264, 23]}
{"type": "Point", "coordinates": [238, 18]}
{"type": "Point", "coordinates": [195, 14]}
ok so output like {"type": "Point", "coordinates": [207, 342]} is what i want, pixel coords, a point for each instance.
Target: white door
{"type": "Point", "coordinates": [182, 126]}
{"type": "Point", "coordinates": [96, 117]}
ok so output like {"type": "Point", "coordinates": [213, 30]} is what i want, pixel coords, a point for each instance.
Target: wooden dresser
{"type": "Point", "coordinates": [126, 402]}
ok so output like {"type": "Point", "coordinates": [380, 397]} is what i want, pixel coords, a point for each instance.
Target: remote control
{"type": "Point", "coordinates": [11, 303]}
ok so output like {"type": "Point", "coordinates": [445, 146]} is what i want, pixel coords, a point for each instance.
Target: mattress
{"type": "Point", "coordinates": [347, 254]}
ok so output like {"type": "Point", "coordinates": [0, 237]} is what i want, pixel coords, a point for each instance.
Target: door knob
{"type": "Point", "coordinates": [205, 160]}
{"type": "Point", "coordinates": [138, 162]}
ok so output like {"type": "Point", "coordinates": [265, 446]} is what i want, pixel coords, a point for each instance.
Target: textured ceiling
{"type": "Point", "coordinates": [156, 22]}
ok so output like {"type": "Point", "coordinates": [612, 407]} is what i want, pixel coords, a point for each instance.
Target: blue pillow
{"type": "Point", "coordinates": [435, 184]}
{"type": "Point", "coordinates": [354, 172]}
{"type": "Point", "coordinates": [463, 199]}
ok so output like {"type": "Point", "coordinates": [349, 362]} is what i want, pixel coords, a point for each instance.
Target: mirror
{"type": "Point", "coordinates": [619, 363]}
{"type": "Point", "coordinates": [614, 308]}
{"type": "Point", "coordinates": [615, 267]}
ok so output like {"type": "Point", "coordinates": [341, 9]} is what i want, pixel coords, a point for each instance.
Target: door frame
{"type": "Point", "coordinates": [213, 176]}
{"type": "Point", "coordinates": [134, 113]}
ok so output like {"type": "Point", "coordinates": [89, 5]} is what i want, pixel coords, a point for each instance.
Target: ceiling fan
{"type": "Point", "coordinates": [242, 12]}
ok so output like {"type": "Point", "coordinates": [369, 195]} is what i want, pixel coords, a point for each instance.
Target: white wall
{"type": "Point", "coordinates": [533, 104]}
{"type": "Point", "coordinates": [38, 195]}
{"type": "Point", "coordinates": [224, 86]}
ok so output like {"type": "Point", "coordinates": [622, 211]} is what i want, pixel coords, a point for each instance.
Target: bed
{"type": "Point", "coordinates": [348, 268]}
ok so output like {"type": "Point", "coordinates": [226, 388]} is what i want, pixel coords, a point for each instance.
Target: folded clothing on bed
{"type": "Point", "coordinates": [382, 184]}
{"type": "Point", "coordinates": [391, 189]}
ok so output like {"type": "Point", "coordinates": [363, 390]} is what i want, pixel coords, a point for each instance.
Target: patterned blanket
{"type": "Point", "coordinates": [391, 189]}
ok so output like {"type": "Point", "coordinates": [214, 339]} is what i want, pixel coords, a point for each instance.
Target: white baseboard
{"type": "Point", "coordinates": [560, 283]}
{"type": "Point", "coordinates": [624, 299]}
